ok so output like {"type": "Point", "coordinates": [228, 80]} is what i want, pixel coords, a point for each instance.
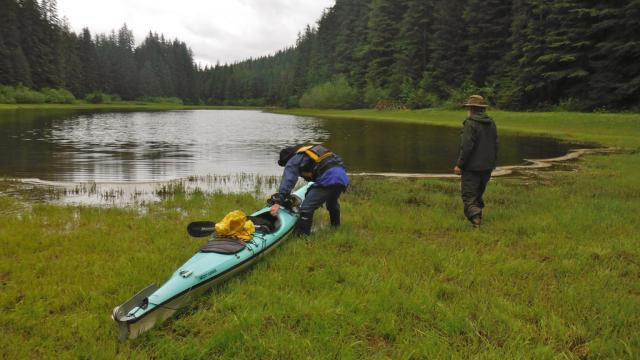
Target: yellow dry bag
{"type": "Point", "coordinates": [235, 224]}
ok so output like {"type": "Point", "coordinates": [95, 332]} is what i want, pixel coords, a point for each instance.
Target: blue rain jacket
{"type": "Point", "coordinates": [335, 176]}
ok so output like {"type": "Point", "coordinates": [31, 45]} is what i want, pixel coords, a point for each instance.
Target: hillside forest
{"type": "Point", "coordinates": [520, 54]}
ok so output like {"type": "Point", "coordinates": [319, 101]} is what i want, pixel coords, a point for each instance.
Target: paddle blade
{"type": "Point", "coordinates": [201, 228]}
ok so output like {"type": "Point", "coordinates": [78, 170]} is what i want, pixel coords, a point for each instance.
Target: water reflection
{"type": "Point", "coordinates": [147, 146]}
{"type": "Point", "coordinates": [371, 146]}
{"type": "Point", "coordinates": [76, 146]}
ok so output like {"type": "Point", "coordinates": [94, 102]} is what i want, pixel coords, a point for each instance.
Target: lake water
{"type": "Point", "coordinates": [75, 146]}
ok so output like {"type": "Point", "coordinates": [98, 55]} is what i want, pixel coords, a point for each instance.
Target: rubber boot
{"type": "Point", "coordinates": [303, 226]}
{"type": "Point", "coordinates": [334, 217]}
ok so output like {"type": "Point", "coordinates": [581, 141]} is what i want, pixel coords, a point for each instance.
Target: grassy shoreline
{"type": "Point", "coordinates": [552, 274]}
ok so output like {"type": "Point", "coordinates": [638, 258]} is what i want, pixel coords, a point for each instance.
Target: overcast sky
{"type": "Point", "coordinates": [216, 30]}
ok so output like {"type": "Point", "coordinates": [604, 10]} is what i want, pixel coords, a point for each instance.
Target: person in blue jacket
{"type": "Point", "coordinates": [326, 169]}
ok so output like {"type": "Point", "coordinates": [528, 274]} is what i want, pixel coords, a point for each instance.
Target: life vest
{"type": "Point", "coordinates": [323, 160]}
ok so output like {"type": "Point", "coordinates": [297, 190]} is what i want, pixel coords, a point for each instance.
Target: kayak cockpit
{"type": "Point", "coordinates": [265, 223]}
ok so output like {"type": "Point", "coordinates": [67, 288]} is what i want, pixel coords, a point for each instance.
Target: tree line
{"type": "Point", "coordinates": [38, 50]}
{"type": "Point", "coordinates": [520, 54]}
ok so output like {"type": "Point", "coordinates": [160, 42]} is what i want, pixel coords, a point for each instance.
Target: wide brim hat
{"type": "Point", "coordinates": [476, 101]}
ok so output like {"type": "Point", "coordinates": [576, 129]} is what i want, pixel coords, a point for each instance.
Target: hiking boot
{"type": "Point", "coordinates": [303, 226]}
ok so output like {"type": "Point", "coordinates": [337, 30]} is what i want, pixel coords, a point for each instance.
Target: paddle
{"type": "Point", "coordinates": [201, 228]}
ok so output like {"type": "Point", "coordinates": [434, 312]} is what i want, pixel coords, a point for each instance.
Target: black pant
{"type": "Point", "coordinates": [473, 186]}
{"type": "Point", "coordinates": [315, 197]}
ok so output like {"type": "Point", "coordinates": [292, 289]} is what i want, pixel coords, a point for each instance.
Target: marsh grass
{"type": "Point", "coordinates": [553, 273]}
{"type": "Point", "coordinates": [131, 194]}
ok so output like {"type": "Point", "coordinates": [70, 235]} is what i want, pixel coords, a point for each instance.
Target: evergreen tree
{"type": "Point", "coordinates": [88, 59]}
{"type": "Point", "coordinates": [125, 70]}
{"type": "Point", "coordinates": [350, 57]}
{"type": "Point", "coordinates": [412, 55]}
{"type": "Point", "coordinates": [322, 49]}
{"type": "Point", "coordinates": [567, 49]}
{"type": "Point", "coordinates": [70, 62]}
{"type": "Point", "coordinates": [615, 82]}
{"type": "Point", "coordinates": [523, 82]}
{"type": "Point", "coordinates": [383, 31]}
{"type": "Point", "coordinates": [303, 53]}
{"type": "Point", "coordinates": [50, 12]}
{"type": "Point", "coordinates": [447, 68]}
{"type": "Point", "coordinates": [551, 47]}
{"type": "Point", "coordinates": [38, 41]}
{"type": "Point", "coordinates": [14, 67]}
{"type": "Point", "coordinates": [106, 65]}
{"type": "Point", "coordinates": [149, 82]}
{"type": "Point", "coordinates": [489, 23]}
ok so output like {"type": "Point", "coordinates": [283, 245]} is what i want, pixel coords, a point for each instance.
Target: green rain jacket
{"type": "Point", "coordinates": [478, 144]}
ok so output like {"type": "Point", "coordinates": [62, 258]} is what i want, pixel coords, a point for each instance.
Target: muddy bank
{"type": "Point", "coordinates": [531, 164]}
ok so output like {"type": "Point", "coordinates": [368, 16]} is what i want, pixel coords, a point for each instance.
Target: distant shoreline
{"type": "Point", "coordinates": [604, 129]}
{"type": "Point", "coordinates": [122, 105]}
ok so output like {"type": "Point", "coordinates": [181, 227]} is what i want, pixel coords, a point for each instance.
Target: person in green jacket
{"type": "Point", "coordinates": [477, 157]}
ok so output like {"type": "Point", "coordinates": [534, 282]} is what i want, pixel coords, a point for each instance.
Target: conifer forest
{"type": "Point", "coordinates": [520, 54]}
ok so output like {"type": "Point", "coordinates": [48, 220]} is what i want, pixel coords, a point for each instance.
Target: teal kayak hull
{"type": "Point", "coordinates": [202, 271]}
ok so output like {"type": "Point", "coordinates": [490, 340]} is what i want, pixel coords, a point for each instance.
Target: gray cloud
{"type": "Point", "coordinates": [216, 30]}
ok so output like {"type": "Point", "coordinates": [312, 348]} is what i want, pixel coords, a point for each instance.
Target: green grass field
{"type": "Point", "coordinates": [554, 273]}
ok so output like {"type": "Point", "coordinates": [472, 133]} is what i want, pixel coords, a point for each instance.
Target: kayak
{"type": "Point", "coordinates": [215, 262]}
